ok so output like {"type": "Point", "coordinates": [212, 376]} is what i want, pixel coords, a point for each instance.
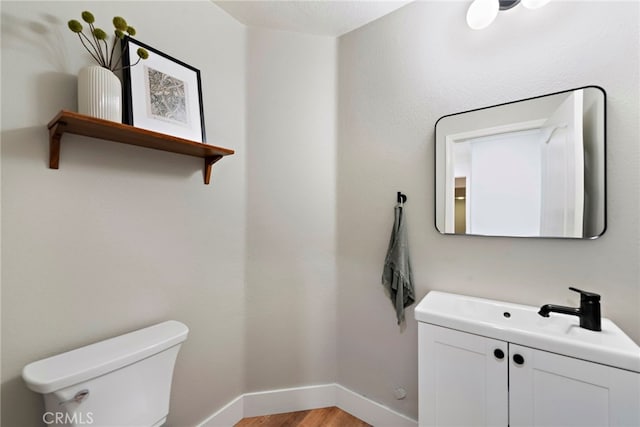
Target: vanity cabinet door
{"type": "Point", "coordinates": [462, 379]}
{"type": "Point", "coordinates": [550, 390]}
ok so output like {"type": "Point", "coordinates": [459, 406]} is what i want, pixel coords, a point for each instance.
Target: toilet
{"type": "Point", "coordinates": [122, 381]}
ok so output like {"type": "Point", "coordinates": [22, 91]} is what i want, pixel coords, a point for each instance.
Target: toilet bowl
{"type": "Point", "coordinates": [121, 381]}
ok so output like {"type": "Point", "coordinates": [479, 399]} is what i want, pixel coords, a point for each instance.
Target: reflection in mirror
{"type": "Point", "coordinates": [531, 168]}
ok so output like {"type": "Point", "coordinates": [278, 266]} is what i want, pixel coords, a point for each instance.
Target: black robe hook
{"type": "Point", "coordinates": [402, 198]}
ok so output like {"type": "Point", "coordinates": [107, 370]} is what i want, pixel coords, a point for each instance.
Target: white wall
{"type": "Point", "coordinates": [121, 237]}
{"type": "Point", "coordinates": [291, 208]}
{"type": "Point", "coordinates": [397, 76]}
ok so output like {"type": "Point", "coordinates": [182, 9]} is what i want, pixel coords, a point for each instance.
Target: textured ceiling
{"type": "Point", "coordinates": [325, 17]}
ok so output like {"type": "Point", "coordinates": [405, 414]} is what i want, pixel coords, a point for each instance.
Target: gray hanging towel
{"type": "Point", "coordinates": [396, 276]}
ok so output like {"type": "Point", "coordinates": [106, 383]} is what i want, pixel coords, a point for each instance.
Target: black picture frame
{"type": "Point", "coordinates": [161, 93]}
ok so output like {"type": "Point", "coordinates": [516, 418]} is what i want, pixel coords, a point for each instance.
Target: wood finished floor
{"type": "Point", "coordinates": [323, 417]}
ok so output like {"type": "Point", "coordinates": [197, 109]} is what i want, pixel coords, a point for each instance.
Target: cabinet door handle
{"type": "Point", "coordinates": [518, 359]}
{"type": "Point", "coordinates": [499, 354]}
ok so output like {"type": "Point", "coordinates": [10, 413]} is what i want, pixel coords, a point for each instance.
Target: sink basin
{"type": "Point", "coordinates": [521, 324]}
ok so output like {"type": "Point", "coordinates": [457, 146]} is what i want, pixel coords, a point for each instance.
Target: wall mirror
{"type": "Point", "coordinates": [529, 168]}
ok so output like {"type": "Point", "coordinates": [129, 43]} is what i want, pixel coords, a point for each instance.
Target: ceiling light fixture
{"type": "Point", "coordinates": [482, 13]}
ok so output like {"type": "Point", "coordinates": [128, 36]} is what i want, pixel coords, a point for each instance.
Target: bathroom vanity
{"type": "Point", "coordinates": [490, 363]}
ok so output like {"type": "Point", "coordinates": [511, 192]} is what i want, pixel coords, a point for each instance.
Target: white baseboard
{"type": "Point", "coordinates": [304, 398]}
{"type": "Point", "coordinates": [289, 400]}
{"type": "Point", "coordinates": [369, 411]}
{"type": "Point", "coordinates": [227, 416]}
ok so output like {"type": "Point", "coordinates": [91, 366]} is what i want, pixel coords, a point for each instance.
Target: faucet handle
{"type": "Point", "coordinates": [585, 295]}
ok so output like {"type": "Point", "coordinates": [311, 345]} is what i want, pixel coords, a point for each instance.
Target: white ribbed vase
{"type": "Point", "coordinates": [99, 93]}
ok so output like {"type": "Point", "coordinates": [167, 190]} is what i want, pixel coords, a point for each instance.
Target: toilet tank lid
{"type": "Point", "coordinates": [75, 366]}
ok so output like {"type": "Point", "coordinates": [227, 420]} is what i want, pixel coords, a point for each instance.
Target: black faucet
{"type": "Point", "coordinates": [589, 311]}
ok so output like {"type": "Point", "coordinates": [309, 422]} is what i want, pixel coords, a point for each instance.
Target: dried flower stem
{"type": "Point", "coordinates": [128, 66]}
{"type": "Point", "coordinates": [96, 44]}
{"type": "Point", "coordinates": [123, 51]}
{"type": "Point", "coordinates": [117, 63]}
{"type": "Point", "coordinates": [80, 35]}
{"type": "Point", "coordinates": [113, 48]}
{"type": "Point", "coordinates": [106, 49]}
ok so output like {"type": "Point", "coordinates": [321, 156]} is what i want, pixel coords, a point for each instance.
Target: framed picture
{"type": "Point", "coordinates": [161, 93]}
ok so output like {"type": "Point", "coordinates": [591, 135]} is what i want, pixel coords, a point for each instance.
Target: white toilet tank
{"type": "Point", "coordinates": [120, 382]}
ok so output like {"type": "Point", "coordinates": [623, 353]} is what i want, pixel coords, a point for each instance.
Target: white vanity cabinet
{"type": "Point", "coordinates": [548, 389]}
{"type": "Point", "coordinates": [461, 382]}
{"type": "Point", "coordinates": [470, 380]}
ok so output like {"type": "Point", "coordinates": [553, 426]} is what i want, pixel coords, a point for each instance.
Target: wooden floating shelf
{"type": "Point", "coordinates": [79, 124]}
